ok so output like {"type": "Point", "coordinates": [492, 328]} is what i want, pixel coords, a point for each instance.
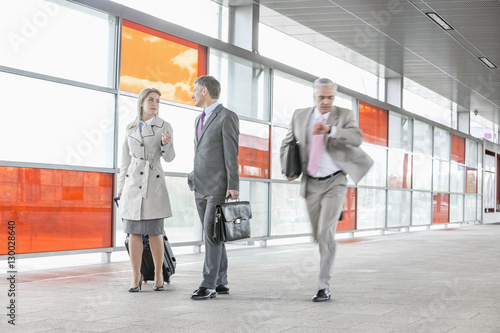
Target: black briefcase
{"type": "Point", "coordinates": [232, 221]}
{"type": "Point", "coordinates": [292, 167]}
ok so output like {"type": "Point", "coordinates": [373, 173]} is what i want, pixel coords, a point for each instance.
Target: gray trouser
{"type": "Point", "coordinates": [324, 200]}
{"type": "Point", "coordinates": [215, 265]}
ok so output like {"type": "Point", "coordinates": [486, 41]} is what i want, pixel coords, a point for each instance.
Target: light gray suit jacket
{"type": "Point", "coordinates": [216, 154]}
{"type": "Point", "coordinates": [344, 148]}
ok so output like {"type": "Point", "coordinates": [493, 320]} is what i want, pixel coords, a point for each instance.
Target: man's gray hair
{"type": "Point", "coordinates": [324, 82]}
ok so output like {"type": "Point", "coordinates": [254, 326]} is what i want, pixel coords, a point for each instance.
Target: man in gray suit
{"type": "Point", "coordinates": [215, 177]}
{"type": "Point", "coordinates": [329, 149]}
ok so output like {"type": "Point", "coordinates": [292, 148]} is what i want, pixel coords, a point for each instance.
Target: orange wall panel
{"type": "Point", "coordinates": [150, 58]}
{"type": "Point", "coordinates": [373, 121]}
{"type": "Point", "coordinates": [56, 210]}
{"type": "Point", "coordinates": [253, 156]}
{"type": "Point", "coordinates": [441, 208]}
{"type": "Point", "coordinates": [348, 221]}
{"type": "Point", "coordinates": [457, 149]}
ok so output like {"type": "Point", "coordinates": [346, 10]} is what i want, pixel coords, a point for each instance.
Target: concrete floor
{"type": "Point", "coordinates": [442, 280]}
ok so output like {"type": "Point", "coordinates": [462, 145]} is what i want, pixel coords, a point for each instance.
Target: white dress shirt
{"type": "Point", "coordinates": [327, 165]}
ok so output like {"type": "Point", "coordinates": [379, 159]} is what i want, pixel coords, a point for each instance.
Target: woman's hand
{"type": "Point", "coordinates": [165, 138]}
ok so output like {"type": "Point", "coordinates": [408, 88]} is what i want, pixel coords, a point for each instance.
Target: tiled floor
{"type": "Point", "coordinates": [445, 280]}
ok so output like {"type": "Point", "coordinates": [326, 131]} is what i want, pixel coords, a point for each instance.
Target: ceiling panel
{"type": "Point", "coordinates": [403, 39]}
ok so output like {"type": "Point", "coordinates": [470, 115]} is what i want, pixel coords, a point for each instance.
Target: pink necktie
{"type": "Point", "coordinates": [316, 147]}
{"type": "Point", "coordinates": [200, 123]}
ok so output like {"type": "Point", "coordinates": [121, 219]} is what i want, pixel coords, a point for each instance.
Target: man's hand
{"type": "Point", "coordinates": [320, 128]}
{"type": "Point", "coordinates": [291, 178]}
{"type": "Point", "coordinates": [233, 194]}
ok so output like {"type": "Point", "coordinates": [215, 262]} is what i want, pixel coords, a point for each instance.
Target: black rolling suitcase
{"type": "Point", "coordinates": [147, 265]}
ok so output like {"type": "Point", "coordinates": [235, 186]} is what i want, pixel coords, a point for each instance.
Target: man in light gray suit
{"type": "Point", "coordinates": [329, 149]}
{"type": "Point", "coordinates": [215, 177]}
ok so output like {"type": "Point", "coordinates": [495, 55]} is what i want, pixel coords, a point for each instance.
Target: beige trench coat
{"type": "Point", "coordinates": [144, 194]}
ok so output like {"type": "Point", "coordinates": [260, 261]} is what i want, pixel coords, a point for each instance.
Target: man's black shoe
{"type": "Point", "coordinates": [322, 295]}
{"type": "Point", "coordinates": [203, 293]}
{"type": "Point", "coordinates": [222, 289]}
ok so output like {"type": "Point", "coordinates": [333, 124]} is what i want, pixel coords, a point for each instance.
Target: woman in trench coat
{"type": "Point", "coordinates": [144, 200]}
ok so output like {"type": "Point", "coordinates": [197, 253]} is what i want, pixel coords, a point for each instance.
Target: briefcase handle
{"type": "Point", "coordinates": [226, 199]}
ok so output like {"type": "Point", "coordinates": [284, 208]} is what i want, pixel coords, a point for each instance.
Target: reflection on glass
{"type": "Point", "coordinates": [58, 38]}
{"type": "Point", "coordinates": [457, 175]}
{"type": "Point", "coordinates": [253, 155]}
{"type": "Point", "coordinates": [442, 144]}
{"type": "Point", "coordinates": [399, 169]}
{"type": "Point", "coordinates": [376, 176]}
{"type": "Point", "coordinates": [72, 126]}
{"type": "Point", "coordinates": [400, 135]}
{"type": "Point", "coordinates": [398, 208]}
{"type": "Point", "coordinates": [456, 207]}
{"type": "Point", "coordinates": [421, 208]}
{"type": "Point", "coordinates": [471, 154]}
{"type": "Point", "coordinates": [288, 210]}
{"type": "Point", "coordinates": [152, 59]}
{"type": "Point", "coordinates": [348, 221]}
{"type": "Point", "coordinates": [284, 86]}
{"type": "Point", "coordinates": [489, 191]}
{"type": "Point", "coordinates": [244, 84]}
{"type": "Point", "coordinates": [441, 176]}
{"type": "Point", "coordinates": [471, 180]}
{"type": "Point", "coordinates": [422, 172]}
{"type": "Point", "coordinates": [371, 208]}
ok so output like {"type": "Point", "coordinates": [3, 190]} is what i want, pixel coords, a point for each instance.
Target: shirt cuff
{"type": "Point", "coordinates": [333, 132]}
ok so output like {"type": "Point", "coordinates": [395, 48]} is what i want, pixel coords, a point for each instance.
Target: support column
{"type": "Point", "coordinates": [463, 120]}
{"type": "Point", "coordinates": [244, 24]}
{"type": "Point", "coordinates": [394, 91]}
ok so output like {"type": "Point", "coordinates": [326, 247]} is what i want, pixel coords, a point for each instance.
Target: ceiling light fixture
{"type": "Point", "coordinates": [487, 62]}
{"type": "Point", "coordinates": [439, 21]}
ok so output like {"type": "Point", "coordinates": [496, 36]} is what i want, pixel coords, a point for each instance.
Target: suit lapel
{"type": "Point", "coordinates": [212, 117]}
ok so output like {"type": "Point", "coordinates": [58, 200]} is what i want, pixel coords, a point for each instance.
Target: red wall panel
{"type": "Point", "coordinates": [441, 208]}
{"type": "Point", "coordinates": [348, 221]}
{"type": "Point", "coordinates": [373, 121]}
{"type": "Point", "coordinates": [56, 210]}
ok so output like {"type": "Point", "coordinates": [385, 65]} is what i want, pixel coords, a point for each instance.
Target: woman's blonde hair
{"type": "Point", "coordinates": [140, 99]}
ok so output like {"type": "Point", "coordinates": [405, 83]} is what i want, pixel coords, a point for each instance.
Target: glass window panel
{"type": "Point", "coordinates": [441, 209]}
{"type": "Point", "coordinates": [471, 154]}
{"type": "Point", "coordinates": [470, 208]}
{"type": "Point", "coordinates": [421, 208]}
{"type": "Point", "coordinates": [489, 191]}
{"type": "Point", "coordinates": [422, 172]}
{"type": "Point", "coordinates": [422, 138]}
{"type": "Point", "coordinates": [284, 86]}
{"type": "Point", "coordinates": [480, 210]}
{"type": "Point", "coordinates": [489, 161]}
{"type": "Point", "coordinates": [244, 84]}
{"type": "Point", "coordinates": [480, 182]}
{"type": "Point", "coordinates": [253, 155]}
{"type": "Point", "coordinates": [456, 207]}
{"type": "Point", "coordinates": [480, 153]}
{"type": "Point", "coordinates": [72, 126]}
{"type": "Point", "coordinates": [278, 134]}
{"type": "Point", "coordinates": [203, 16]}
{"type": "Point", "coordinates": [373, 122]}
{"type": "Point", "coordinates": [400, 135]}
{"type": "Point", "coordinates": [457, 149]}
{"type": "Point", "coordinates": [457, 176]}
{"type": "Point", "coordinates": [258, 195]}
{"type": "Point", "coordinates": [288, 210]}
{"type": "Point", "coordinates": [442, 144]}
{"type": "Point", "coordinates": [348, 221]}
{"type": "Point", "coordinates": [182, 121]}
{"type": "Point", "coordinates": [471, 180]}
{"type": "Point", "coordinates": [371, 208]}
{"type": "Point", "coordinates": [399, 169]}
{"type": "Point", "coordinates": [47, 37]}
{"type": "Point", "coordinates": [441, 175]}
{"type": "Point", "coordinates": [376, 176]}
{"type": "Point", "coordinates": [398, 208]}
{"type": "Point", "coordinates": [346, 102]}
{"type": "Point", "coordinates": [153, 59]}
{"type": "Point", "coordinates": [56, 210]}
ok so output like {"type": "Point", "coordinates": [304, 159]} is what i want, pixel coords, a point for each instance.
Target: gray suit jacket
{"type": "Point", "coordinates": [344, 148]}
{"type": "Point", "coordinates": [216, 154]}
